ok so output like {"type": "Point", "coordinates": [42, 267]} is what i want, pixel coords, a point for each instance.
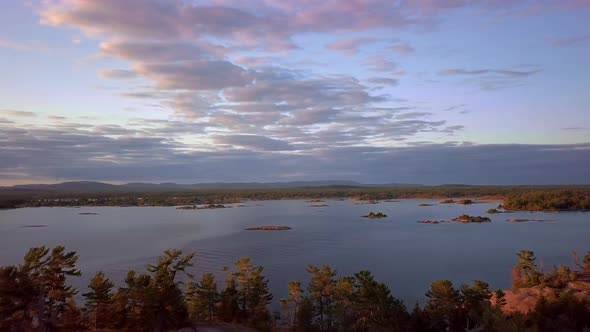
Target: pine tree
{"type": "Point", "coordinates": [344, 299]}
{"type": "Point", "coordinates": [48, 273]}
{"type": "Point", "coordinates": [166, 300]}
{"type": "Point", "coordinates": [525, 272]}
{"type": "Point", "coordinates": [18, 299]}
{"type": "Point", "coordinates": [305, 314]}
{"type": "Point", "coordinates": [119, 308]}
{"type": "Point", "coordinates": [252, 290]}
{"type": "Point", "coordinates": [475, 301]}
{"type": "Point", "coordinates": [202, 298]}
{"type": "Point", "coordinates": [295, 296]}
{"type": "Point", "coordinates": [71, 319]}
{"type": "Point", "coordinates": [321, 289]}
{"type": "Point", "coordinates": [156, 301]}
{"type": "Point", "coordinates": [443, 306]}
{"type": "Point", "coordinates": [229, 308]}
{"type": "Point", "coordinates": [99, 300]}
{"type": "Point", "coordinates": [374, 306]}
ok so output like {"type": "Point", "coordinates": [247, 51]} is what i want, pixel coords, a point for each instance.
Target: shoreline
{"type": "Point", "coordinates": [240, 204]}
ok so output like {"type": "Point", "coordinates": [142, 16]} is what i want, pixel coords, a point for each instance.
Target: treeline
{"type": "Point", "coordinates": [515, 197]}
{"type": "Point", "coordinates": [555, 200]}
{"type": "Point", "coordinates": [34, 296]}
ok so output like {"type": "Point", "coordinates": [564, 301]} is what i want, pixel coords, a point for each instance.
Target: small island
{"type": "Point", "coordinates": [525, 220]}
{"type": "Point", "coordinates": [202, 207]}
{"type": "Point", "coordinates": [492, 211]}
{"type": "Point", "coordinates": [212, 206]}
{"type": "Point", "coordinates": [373, 215]}
{"type": "Point", "coordinates": [187, 207]}
{"type": "Point", "coordinates": [88, 213]}
{"type": "Point", "coordinates": [425, 204]}
{"type": "Point", "coordinates": [428, 221]}
{"type": "Point", "coordinates": [465, 218]}
{"type": "Point", "coordinates": [448, 201]}
{"type": "Point", "coordinates": [465, 202]}
{"type": "Point", "coordinates": [268, 228]}
{"type": "Point", "coordinates": [318, 205]}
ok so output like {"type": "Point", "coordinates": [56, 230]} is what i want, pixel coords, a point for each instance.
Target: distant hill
{"type": "Point", "coordinates": [92, 186]}
{"type": "Point", "coordinates": [65, 186]}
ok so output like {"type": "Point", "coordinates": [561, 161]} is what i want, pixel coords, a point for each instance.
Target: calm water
{"type": "Point", "coordinates": [404, 254]}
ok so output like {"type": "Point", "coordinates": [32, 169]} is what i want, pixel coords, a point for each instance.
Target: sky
{"type": "Point", "coordinates": [375, 91]}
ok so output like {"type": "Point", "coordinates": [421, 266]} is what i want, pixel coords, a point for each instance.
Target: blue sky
{"type": "Point", "coordinates": [481, 92]}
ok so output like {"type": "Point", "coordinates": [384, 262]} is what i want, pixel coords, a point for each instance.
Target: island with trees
{"type": "Point", "coordinates": [375, 215]}
{"type": "Point", "coordinates": [430, 221]}
{"type": "Point", "coordinates": [35, 296]}
{"type": "Point", "coordinates": [466, 219]}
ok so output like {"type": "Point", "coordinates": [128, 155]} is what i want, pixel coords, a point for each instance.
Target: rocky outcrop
{"type": "Point", "coordinates": [525, 299]}
{"type": "Point", "coordinates": [268, 228]}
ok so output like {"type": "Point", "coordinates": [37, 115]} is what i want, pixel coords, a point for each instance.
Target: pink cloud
{"type": "Point", "coordinates": [561, 42]}
{"type": "Point", "coordinates": [350, 46]}
{"type": "Point", "coordinates": [403, 49]}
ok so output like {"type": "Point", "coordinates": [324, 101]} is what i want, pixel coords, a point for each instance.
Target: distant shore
{"type": "Point", "coordinates": [513, 198]}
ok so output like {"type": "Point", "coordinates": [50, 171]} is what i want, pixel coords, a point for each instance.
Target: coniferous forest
{"type": "Point", "coordinates": [35, 296]}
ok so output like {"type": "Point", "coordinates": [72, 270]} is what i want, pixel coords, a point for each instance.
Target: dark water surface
{"type": "Point", "coordinates": [400, 252]}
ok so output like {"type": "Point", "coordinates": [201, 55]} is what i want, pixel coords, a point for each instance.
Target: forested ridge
{"type": "Point", "coordinates": [35, 296]}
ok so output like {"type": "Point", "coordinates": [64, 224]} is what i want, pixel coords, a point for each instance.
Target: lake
{"type": "Point", "coordinates": [404, 254]}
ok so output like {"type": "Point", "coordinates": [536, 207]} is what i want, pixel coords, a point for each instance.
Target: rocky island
{"type": "Point", "coordinates": [212, 206]}
{"type": "Point", "coordinates": [429, 221]}
{"type": "Point", "coordinates": [525, 220]}
{"type": "Point", "coordinates": [268, 228]}
{"type": "Point", "coordinates": [374, 215]}
{"type": "Point", "coordinates": [466, 219]}
{"type": "Point", "coordinates": [203, 207]}
{"type": "Point", "coordinates": [186, 207]}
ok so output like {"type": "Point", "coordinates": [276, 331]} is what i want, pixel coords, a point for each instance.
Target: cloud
{"type": "Point", "coordinates": [253, 61]}
{"type": "Point", "coordinates": [383, 81]}
{"type": "Point", "coordinates": [243, 110]}
{"type": "Point", "coordinates": [501, 72]}
{"type": "Point", "coordinates": [350, 46]}
{"type": "Point", "coordinates": [121, 154]}
{"type": "Point", "coordinates": [454, 107]}
{"type": "Point", "coordinates": [195, 75]}
{"type": "Point", "coordinates": [413, 115]}
{"type": "Point", "coordinates": [379, 64]}
{"type": "Point", "coordinates": [254, 142]}
{"type": "Point", "coordinates": [157, 52]}
{"type": "Point", "coordinates": [117, 73]}
{"type": "Point", "coordinates": [569, 41]}
{"type": "Point", "coordinates": [22, 45]}
{"type": "Point", "coordinates": [492, 79]}
{"type": "Point", "coordinates": [403, 49]}
{"type": "Point", "coordinates": [17, 113]}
